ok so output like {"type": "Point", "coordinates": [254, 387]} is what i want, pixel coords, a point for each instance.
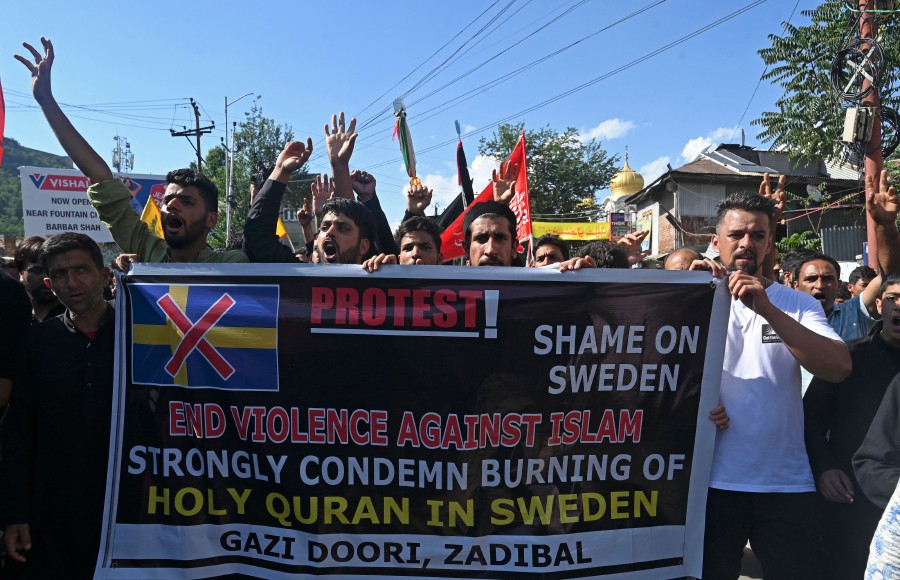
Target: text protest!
{"type": "Point", "coordinates": [404, 311]}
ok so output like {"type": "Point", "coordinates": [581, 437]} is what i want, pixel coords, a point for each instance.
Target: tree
{"type": "Point", "coordinates": [562, 170]}
{"type": "Point", "coordinates": [257, 138]}
{"type": "Point", "coordinates": [810, 116]}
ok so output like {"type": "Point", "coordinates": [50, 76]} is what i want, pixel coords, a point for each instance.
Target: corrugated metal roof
{"type": "Point", "coordinates": [842, 171]}
{"type": "Point", "coordinates": [737, 163]}
{"type": "Point", "coordinates": [704, 166]}
{"type": "Point", "coordinates": [782, 164]}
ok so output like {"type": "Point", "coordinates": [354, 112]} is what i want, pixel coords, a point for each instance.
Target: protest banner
{"type": "Point", "coordinates": [278, 420]}
{"type": "Point", "coordinates": [55, 201]}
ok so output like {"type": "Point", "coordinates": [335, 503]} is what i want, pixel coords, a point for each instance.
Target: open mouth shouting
{"type": "Point", "coordinates": [173, 224]}
{"type": "Point", "coordinates": [331, 253]}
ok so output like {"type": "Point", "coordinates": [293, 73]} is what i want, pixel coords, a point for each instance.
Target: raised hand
{"type": "Point", "coordinates": [505, 182]}
{"type": "Point", "coordinates": [40, 70]}
{"type": "Point", "coordinates": [363, 184]}
{"type": "Point", "coordinates": [418, 198]}
{"type": "Point", "coordinates": [632, 243]}
{"type": "Point", "coordinates": [322, 190]}
{"type": "Point", "coordinates": [338, 141]}
{"type": "Point", "coordinates": [294, 155]}
{"type": "Point", "coordinates": [777, 196]}
{"type": "Point", "coordinates": [304, 214]}
{"type": "Point", "coordinates": [881, 203]}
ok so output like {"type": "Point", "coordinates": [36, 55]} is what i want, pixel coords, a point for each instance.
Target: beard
{"type": "Point", "coordinates": [190, 232]}
{"type": "Point", "coordinates": [329, 252]}
{"type": "Point", "coordinates": [751, 266]}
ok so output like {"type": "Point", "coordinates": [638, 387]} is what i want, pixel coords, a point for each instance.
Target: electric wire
{"type": "Point", "coordinates": [595, 80]}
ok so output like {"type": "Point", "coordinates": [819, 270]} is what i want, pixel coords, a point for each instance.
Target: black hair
{"type": "Point", "coordinates": [66, 242]}
{"type": "Point", "coordinates": [791, 260]}
{"type": "Point", "coordinates": [551, 240]}
{"type": "Point", "coordinates": [861, 273]}
{"type": "Point", "coordinates": [190, 177]}
{"type": "Point", "coordinates": [419, 224]}
{"type": "Point", "coordinates": [745, 201]}
{"type": "Point", "coordinates": [815, 256]}
{"type": "Point", "coordinates": [843, 292]}
{"type": "Point", "coordinates": [263, 170]}
{"type": "Point", "coordinates": [889, 279]}
{"type": "Point", "coordinates": [607, 254]}
{"type": "Point", "coordinates": [488, 209]}
{"type": "Point", "coordinates": [357, 212]}
{"type": "Point", "coordinates": [28, 252]}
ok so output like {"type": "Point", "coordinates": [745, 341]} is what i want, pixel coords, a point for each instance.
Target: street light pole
{"type": "Point", "coordinates": [229, 169]}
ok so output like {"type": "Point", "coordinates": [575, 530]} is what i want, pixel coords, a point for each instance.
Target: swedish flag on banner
{"type": "Point", "coordinates": [205, 336]}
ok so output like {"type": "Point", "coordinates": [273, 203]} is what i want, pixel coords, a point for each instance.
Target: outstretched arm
{"type": "Point", "coordinates": [82, 154]}
{"type": "Point", "coordinates": [260, 242]}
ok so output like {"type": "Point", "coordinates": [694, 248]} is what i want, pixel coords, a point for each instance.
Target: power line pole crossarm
{"type": "Point", "coordinates": [196, 132]}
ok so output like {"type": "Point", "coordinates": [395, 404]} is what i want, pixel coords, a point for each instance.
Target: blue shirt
{"type": "Point", "coordinates": [851, 319]}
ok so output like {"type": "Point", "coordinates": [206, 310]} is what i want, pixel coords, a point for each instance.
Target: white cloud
{"type": "Point", "coordinates": [480, 171]}
{"type": "Point", "coordinates": [445, 189]}
{"type": "Point", "coordinates": [468, 128]}
{"type": "Point", "coordinates": [608, 129]}
{"type": "Point", "coordinates": [697, 145]}
{"type": "Point", "coordinates": [654, 169]}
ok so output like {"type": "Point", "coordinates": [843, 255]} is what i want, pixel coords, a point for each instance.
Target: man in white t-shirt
{"type": "Point", "coordinates": [761, 485]}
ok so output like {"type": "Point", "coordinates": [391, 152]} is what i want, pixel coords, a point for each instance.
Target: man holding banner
{"type": "Point", "coordinates": [761, 485]}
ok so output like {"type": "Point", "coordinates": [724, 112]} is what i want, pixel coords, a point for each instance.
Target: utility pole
{"type": "Point", "coordinates": [197, 132]}
{"type": "Point", "coordinates": [229, 168]}
{"type": "Point", "coordinates": [868, 28]}
{"type": "Point", "coordinates": [122, 157]}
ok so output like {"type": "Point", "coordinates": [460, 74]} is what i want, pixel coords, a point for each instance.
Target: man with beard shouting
{"type": "Point", "coordinates": [761, 484]}
{"type": "Point", "coordinates": [191, 202]}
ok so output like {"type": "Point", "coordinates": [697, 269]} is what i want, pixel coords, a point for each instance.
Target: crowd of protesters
{"type": "Point", "coordinates": [804, 478]}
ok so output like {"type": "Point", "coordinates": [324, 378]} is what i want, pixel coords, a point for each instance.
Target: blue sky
{"type": "Point", "coordinates": [308, 60]}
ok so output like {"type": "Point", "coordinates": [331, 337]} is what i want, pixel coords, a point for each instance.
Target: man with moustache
{"type": "Point", "coordinates": [56, 446]}
{"type": "Point", "coordinates": [44, 303]}
{"type": "Point", "coordinates": [191, 200]}
{"type": "Point", "coordinates": [761, 485]}
{"type": "Point", "coordinates": [346, 229]}
{"type": "Point", "coordinates": [490, 234]}
{"type": "Point", "coordinates": [345, 233]}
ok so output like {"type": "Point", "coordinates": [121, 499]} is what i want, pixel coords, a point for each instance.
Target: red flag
{"type": "Point", "coordinates": [453, 236]}
{"type": "Point", "coordinates": [2, 122]}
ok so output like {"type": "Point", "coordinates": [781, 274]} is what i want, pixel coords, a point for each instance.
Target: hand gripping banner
{"type": "Point", "coordinates": [280, 421]}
